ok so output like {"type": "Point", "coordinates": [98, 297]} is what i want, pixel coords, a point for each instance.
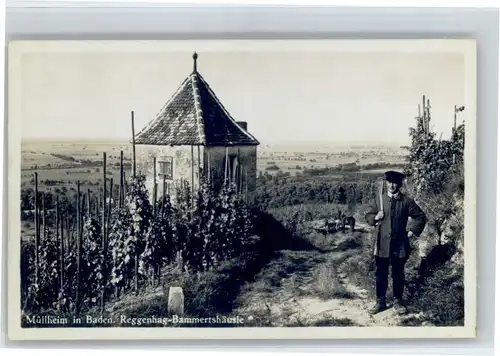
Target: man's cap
{"type": "Point", "coordinates": [394, 177]}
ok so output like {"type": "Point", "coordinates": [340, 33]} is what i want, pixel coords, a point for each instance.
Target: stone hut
{"type": "Point", "coordinates": [194, 136]}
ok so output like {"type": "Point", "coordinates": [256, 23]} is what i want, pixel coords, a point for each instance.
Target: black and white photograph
{"type": "Point", "coordinates": [242, 189]}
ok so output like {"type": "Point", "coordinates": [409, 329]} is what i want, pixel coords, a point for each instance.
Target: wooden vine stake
{"type": "Point", "coordinates": [424, 116]}
{"type": "Point", "coordinates": [78, 248]}
{"type": "Point", "coordinates": [98, 202]}
{"type": "Point", "coordinates": [104, 200]}
{"type": "Point", "coordinates": [82, 209]}
{"type": "Point", "coordinates": [61, 250]}
{"type": "Point", "coordinates": [155, 187]}
{"type": "Point", "coordinates": [164, 194]}
{"type": "Point", "coordinates": [209, 169]}
{"type": "Point", "coordinates": [37, 232]}
{"type": "Point", "coordinates": [108, 215]}
{"type": "Point", "coordinates": [428, 127]}
{"type": "Point", "coordinates": [44, 220]}
{"type": "Point", "coordinates": [133, 147]}
{"type": "Point", "coordinates": [68, 228]}
{"type": "Point", "coordinates": [246, 186]}
{"type": "Point", "coordinates": [61, 256]}
{"type": "Point", "coordinates": [104, 220]}
{"type": "Point", "coordinates": [226, 163]}
{"type": "Point", "coordinates": [238, 174]}
{"type": "Point", "coordinates": [192, 176]}
{"type": "Point", "coordinates": [134, 172]}
{"type": "Point", "coordinates": [154, 200]}
{"type": "Point", "coordinates": [89, 205]}
{"type": "Point", "coordinates": [106, 238]}
{"type": "Point", "coordinates": [121, 197]}
{"type": "Point", "coordinates": [199, 166]}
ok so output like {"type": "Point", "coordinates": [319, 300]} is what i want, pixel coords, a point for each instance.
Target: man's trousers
{"type": "Point", "coordinates": [382, 276]}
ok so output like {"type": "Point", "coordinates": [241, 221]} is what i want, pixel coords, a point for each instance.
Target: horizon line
{"type": "Point", "coordinates": [262, 143]}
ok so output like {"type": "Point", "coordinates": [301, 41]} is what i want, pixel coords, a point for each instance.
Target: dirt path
{"type": "Point", "coordinates": [310, 290]}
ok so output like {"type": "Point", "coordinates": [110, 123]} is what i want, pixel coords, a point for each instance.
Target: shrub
{"type": "Point", "coordinates": [92, 277]}
{"type": "Point", "coordinates": [210, 227]}
{"type": "Point", "coordinates": [436, 179]}
{"type": "Point", "coordinates": [441, 296]}
{"type": "Point", "coordinates": [122, 249]}
{"type": "Point", "coordinates": [272, 167]}
{"type": "Point", "coordinates": [43, 293]}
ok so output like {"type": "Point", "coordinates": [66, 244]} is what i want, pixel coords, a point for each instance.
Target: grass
{"type": "Point", "coordinates": [359, 267]}
{"type": "Point", "coordinates": [440, 293]}
{"type": "Point", "coordinates": [323, 242]}
{"type": "Point", "coordinates": [326, 283]}
{"type": "Point", "coordinates": [338, 322]}
{"type": "Point", "coordinates": [353, 241]}
{"type": "Point", "coordinates": [286, 267]}
{"type": "Point", "coordinates": [327, 321]}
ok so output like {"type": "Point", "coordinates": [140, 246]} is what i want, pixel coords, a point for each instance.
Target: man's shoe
{"type": "Point", "coordinates": [379, 306]}
{"type": "Point", "coordinates": [399, 306]}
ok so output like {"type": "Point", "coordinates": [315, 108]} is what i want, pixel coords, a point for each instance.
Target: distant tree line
{"type": "Point", "coordinates": [341, 168]}
{"type": "Point", "coordinates": [284, 189]}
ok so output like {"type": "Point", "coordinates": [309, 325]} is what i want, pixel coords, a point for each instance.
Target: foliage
{"type": "Point", "coordinates": [210, 227]}
{"type": "Point", "coordinates": [122, 249]}
{"type": "Point", "coordinates": [202, 231]}
{"type": "Point", "coordinates": [140, 209]}
{"type": "Point", "coordinates": [432, 160]}
{"type": "Point", "coordinates": [43, 293]}
{"type": "Point", "coordinates": [159, 244]}
{"type": "Point", "coordinates": [349, 188]}
{"type": "Point", "coordinates": [130, 235]}
{"type": "Point", "coordinates": [293, 217]}
{"type": "Point", "coordinates": [93, 263]}
{"type": "Point", "coordinates": [436, 172]}
{"type": "Point", "coordinates": [443, 297]}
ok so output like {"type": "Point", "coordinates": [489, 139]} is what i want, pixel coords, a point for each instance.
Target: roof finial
{"type": "Point", "coordinates": [195, 58]}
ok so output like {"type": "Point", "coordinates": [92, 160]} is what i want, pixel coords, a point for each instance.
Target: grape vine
{"type": "Point", "coordinates": [199, 232]}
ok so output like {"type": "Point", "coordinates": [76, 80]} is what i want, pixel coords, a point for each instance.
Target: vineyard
{"type": "Point", "coordinates": [97, 246]}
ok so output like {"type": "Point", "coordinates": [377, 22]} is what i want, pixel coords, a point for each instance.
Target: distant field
{"type": "Point", "coordinates": [294, 161]}
{"type": "Point", "coordinates": [64, 163]}
{"type": "Point", "coordinates": [56, 154]}
{"type": "Point", "coordinates": [68, 176]}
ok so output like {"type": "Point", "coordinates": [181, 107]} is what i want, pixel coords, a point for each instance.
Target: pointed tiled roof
{"type": "Point", "coordinates": [194, 116]}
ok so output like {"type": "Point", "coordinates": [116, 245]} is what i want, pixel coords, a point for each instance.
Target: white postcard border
{"type": "Point", "coordinates": [19, 48]}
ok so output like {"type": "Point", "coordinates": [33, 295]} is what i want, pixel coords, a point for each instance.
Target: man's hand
{"type": "Point", "coordinates": [379, 216]}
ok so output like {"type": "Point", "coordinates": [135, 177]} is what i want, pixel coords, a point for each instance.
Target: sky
{"type": "Point", "coordinates": [285, 97]}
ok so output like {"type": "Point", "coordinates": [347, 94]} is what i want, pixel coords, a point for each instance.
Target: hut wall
{"type": "Point", "coordinates": [247, 160]}
{"type": "Point", "coordinates": [182, 165]}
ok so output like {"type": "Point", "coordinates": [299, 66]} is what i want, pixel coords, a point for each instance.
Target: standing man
{"type": "Point", "coordinates": [392, 242]}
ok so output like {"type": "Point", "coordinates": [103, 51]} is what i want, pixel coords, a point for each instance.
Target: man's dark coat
{"type": "Point", "coordinates": [391, 238]}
